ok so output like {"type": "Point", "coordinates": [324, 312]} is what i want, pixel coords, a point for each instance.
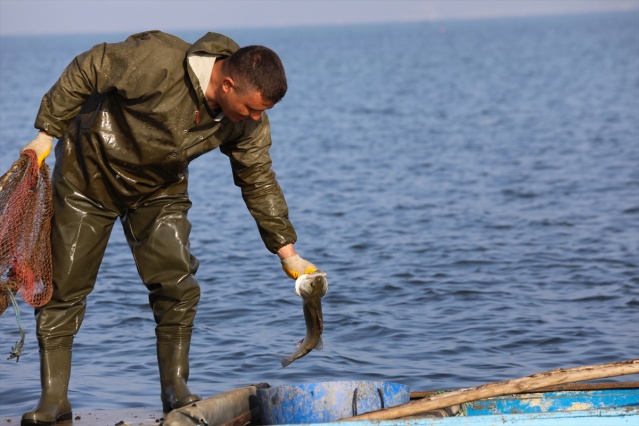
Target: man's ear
{"type": "Point", "coordinates": [227, 84]}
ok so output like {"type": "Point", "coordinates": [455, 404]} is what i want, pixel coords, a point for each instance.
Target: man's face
{"type": "Point", "coordinates": [242, 104]}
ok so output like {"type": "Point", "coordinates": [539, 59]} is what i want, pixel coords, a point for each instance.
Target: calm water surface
{"type": "Point", "coordinates": [471, 188]}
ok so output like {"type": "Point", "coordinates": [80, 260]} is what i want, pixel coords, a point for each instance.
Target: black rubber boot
{"type": "Point", "coordinates": [55, 370]}
{"type": "Point", "coordinates": [173, 360]}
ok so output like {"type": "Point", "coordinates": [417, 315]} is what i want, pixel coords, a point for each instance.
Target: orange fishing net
{"type": "Point", "coordinates": [25, 231]}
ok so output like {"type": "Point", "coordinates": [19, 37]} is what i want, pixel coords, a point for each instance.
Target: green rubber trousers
{"type": "Point", "coordinates": [157, 232]}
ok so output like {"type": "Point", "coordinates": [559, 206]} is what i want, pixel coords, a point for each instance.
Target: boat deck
{"type": "Point", "coordinates": [126, 417]}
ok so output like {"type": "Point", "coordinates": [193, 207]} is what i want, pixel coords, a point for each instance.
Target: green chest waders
{"type": "Point", "coordinates": [158, 234]}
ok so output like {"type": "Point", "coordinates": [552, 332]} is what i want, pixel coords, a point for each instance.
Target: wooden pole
{"type": "Point", "coordinates": [523, 384]}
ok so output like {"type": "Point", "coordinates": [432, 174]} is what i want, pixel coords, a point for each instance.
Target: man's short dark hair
{"type": "Point", "coordinates": [260, 69]}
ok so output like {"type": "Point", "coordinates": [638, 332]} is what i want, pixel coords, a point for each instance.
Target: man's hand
{"type": "Point", "coordinates": [41, 145]}
{"type": "Point", "coordinates": [294, 266]}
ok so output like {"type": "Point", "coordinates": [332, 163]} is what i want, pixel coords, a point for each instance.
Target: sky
{"type": "Point", "coordinates": [109, 16]}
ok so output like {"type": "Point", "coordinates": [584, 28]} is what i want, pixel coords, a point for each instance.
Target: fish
{"type": "Point", "coordinates": [311, 288]}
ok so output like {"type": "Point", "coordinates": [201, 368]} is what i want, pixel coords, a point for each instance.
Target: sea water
{"type": "Point", "coordinates": [470, 187]}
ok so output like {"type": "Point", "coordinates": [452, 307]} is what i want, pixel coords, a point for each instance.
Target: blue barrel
{"type": "Point", "coordinates": [327, 401]}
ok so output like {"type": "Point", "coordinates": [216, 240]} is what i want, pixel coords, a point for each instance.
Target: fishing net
{"type": "Point", "coordinates": [25, 230]}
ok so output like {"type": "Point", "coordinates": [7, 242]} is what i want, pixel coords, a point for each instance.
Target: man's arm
{"type": "Point", "coordinates": [286, 251]}
{"type": "Point", "coordinates": [248, 153]}
{"type": "Point", "coordinates": [251, 164]}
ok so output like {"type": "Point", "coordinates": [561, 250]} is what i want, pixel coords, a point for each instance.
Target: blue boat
{"type": "Point", "coordinates": [601, 405]}
{"type": "Point", "coordinates": [608, 404]}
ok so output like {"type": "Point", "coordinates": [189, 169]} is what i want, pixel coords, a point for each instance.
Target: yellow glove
{"type": "Point", "coordinates": [295, 266]}
{"type": "Point", "coordinates": [41, 145]}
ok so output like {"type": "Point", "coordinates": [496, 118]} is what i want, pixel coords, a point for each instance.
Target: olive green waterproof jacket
{"type": "Point", "coordinates": [131, 116]}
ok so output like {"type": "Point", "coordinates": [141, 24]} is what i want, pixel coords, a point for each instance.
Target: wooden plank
{"type": "Point", "coordinates": [558, 388]}
{"type": "Point", "coordinates": [250, 417]}
{"type": "Point", "coordinates": [528, 383]}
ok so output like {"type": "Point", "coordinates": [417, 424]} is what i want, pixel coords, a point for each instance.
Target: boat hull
{"type": "Point", "coordinates": [601, 405]}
